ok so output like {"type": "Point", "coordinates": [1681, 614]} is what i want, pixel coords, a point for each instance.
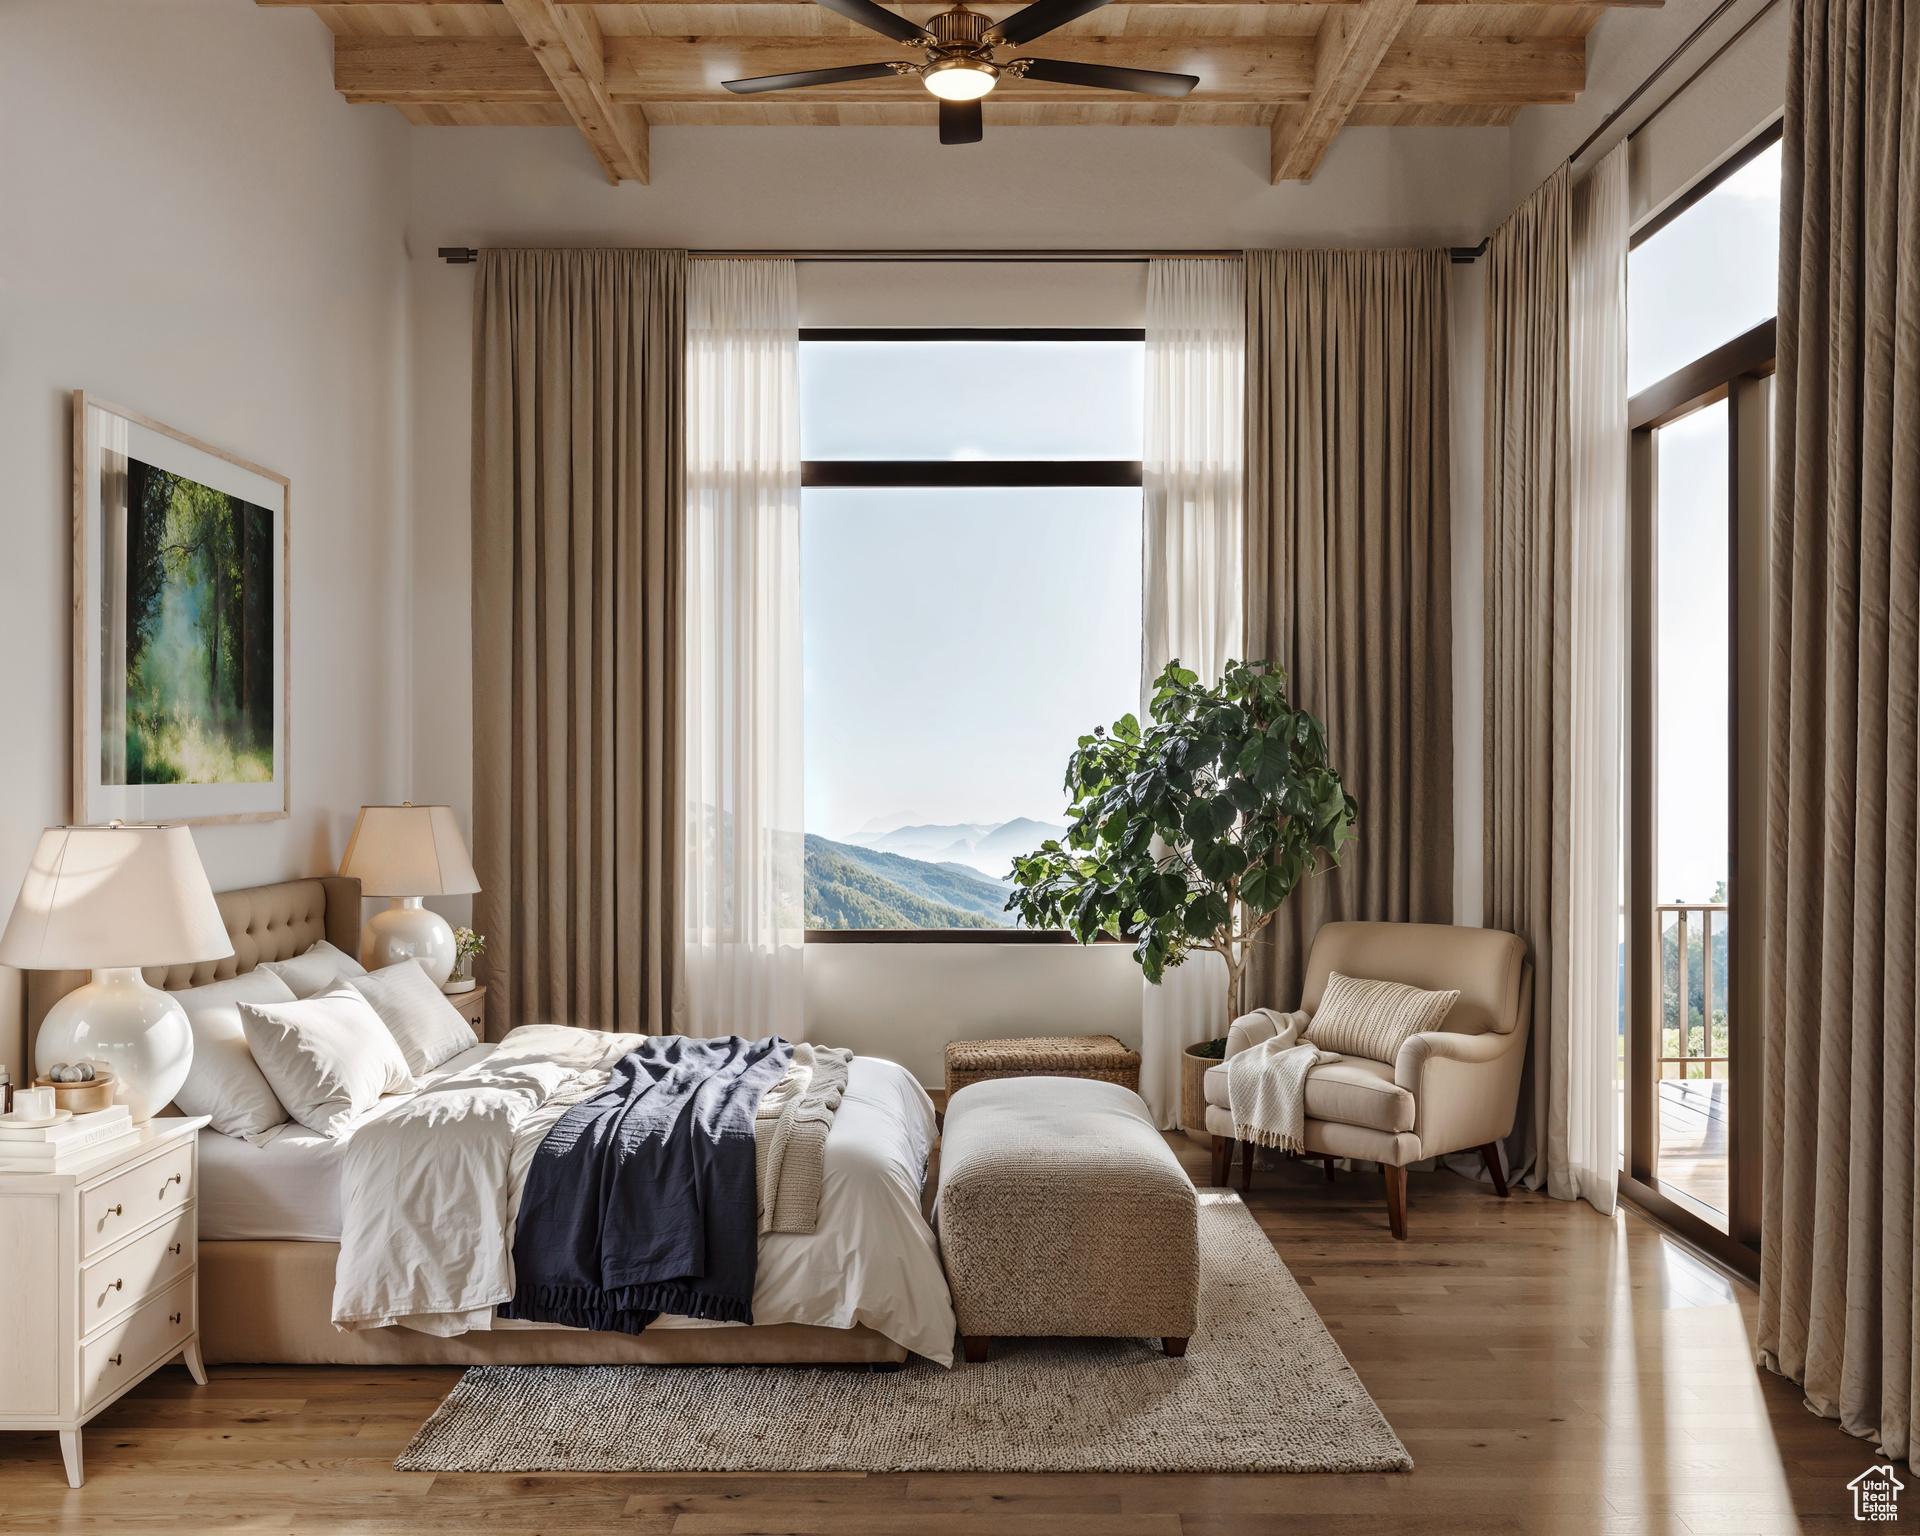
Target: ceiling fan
{"type": "Point", "coordinates": [960, 67]}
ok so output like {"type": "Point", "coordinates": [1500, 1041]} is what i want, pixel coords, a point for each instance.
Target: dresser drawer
{"type": "Point", "coordinates": [128, 1201]}
{"type": "Point", "coordinates": [121, 1280]}
{"type": "Point", "coordinates": [153, 1330]}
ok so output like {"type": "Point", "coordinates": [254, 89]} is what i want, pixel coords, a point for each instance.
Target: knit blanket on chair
{"type": "Point", "coordinates": [1267, 1091]}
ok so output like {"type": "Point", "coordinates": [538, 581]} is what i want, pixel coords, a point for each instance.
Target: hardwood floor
{"type": "Point", "coordinates": [1549, 1370]}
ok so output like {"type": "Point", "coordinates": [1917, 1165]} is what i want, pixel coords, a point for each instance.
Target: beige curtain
{"type": "Point", "coordinates": [579, 364]}
{"type": "Point", "coordinates": [1529, 630]}
{"type": "Point", "coordinates": [1838, 1223]}
{"type": "Point", "coordinates": [1583, 1103]}
{"type": "Point", "coordinates": [1349, 565]}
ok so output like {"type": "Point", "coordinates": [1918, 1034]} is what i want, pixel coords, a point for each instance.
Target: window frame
{"type": "Point", "coordinates": [964, 474]}
{"type": "Point", "coordinates": [1740, 372]}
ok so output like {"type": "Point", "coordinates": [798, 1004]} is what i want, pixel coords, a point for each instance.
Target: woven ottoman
{"type": "Point", "coordinates": [1099, 1057]}
{"type": "Point", "coordinates": [1062, 1212]}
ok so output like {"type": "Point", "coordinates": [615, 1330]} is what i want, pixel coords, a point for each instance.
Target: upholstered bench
{"type": "Point", "coordinates": [1099, 1057]}
{"type": "Point", "coordinates": [1062, 1212]}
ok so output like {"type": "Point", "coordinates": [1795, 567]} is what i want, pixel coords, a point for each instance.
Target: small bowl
{"type": "Point", "coordinates": [81, 1098]}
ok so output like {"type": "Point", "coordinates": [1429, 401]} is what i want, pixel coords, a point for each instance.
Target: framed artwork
{"type": "Point", "coordinates": [180, 626]}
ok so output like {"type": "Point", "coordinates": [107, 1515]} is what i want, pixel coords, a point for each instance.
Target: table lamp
{"type": "Point", "coordinates": [110, 900]}
{"type": "Point", "coordinates": [408, 852]}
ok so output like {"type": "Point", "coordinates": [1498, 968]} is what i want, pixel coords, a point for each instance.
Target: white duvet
{"type": "Point", "coordinates": [432, 1181]}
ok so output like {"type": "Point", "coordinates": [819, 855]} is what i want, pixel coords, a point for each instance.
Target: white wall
{"type": "Point", "coordinates": [771, 189]}
{"type": "Point", "coordinates": [196, 227]}
{"type": "Point", "coordinates": [1690, 127]}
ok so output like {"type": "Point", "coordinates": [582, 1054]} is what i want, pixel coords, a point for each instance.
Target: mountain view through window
{"type": "Point", "coordinates": [959, 637]}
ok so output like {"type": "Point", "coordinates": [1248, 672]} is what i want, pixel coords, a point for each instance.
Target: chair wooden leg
{"type": "Point", "coordinates": [976, 1346]}
{"type": "Point", "coordinates": [1490, 1154]}
{"type": "Point", "coordinates": [1329, 1162]}
{"type": "Point", "coordinates": [1175, 1348]}
{"type": "Point", "coordinates": [1219, 1176]}
{"type": "Point", "coordinates": [1246, 1167]}
{"type": "Point", "coordinates": [1397, 1200]}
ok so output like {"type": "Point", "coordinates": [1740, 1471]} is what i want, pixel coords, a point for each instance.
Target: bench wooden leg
{"type": "Point", "coordinates": [1175, 1348]}
{"type": "Point", "coordinates": [1219, 1175]}
{"type": "Point", "coordinates": [1396, 1200]}
{"type": "Point", "coordinates": [1490, 1154]}
{"type": "Point", "coordinates": [976, 1346]}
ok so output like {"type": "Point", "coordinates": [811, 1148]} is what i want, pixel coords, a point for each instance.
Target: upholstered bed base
{"type": "Point", "coordinates": [272, 1304]}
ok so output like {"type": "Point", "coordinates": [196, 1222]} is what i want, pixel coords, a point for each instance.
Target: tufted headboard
{"type": "Point", "coordinates": [265, 922]}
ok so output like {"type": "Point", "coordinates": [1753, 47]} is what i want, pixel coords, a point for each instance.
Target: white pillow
{"type": "Point", "coordinates": [1374, 1019]}
{"type": "Point", "coordinates": [314, 970]}
{"type": "Point", "coordinates": [429, 1029]}
{"type": "Point", "coordinates": [329, 1058]}
{"type": "Point", "coordinates": [223, 1081]}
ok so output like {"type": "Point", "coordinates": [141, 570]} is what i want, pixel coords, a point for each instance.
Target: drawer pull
{"type": "Point", "coordinates": [173, 1317]}
{"type": "Point", "coordinates": [114, 1210]}
{"type": "Point", "coordinates": [174, 1180]}
{"type": "Point", "coordinates": [113, 1359]}
{"type": "Point", "coordinates": [117, 1285]}
{"type": "Point", "coordinates": [173, 1247]}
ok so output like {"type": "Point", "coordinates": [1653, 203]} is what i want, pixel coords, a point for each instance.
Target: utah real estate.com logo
{"type": "Point", "coordinates": [1876, 1494]}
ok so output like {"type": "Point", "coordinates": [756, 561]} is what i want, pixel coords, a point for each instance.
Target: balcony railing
{"type": "Point", "coordinates": [1692, 1042]}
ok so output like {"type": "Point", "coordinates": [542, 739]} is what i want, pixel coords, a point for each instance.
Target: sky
{"type": "Point", "coordinates": [958, 642]}
{"type": "Point", "coordinates": [1706, 278]}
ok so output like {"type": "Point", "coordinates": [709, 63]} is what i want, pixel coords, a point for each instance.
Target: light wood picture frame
{"type": "Point", "coordinates": [182, 626]}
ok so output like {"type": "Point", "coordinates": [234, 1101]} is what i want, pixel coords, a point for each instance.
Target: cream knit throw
{"type": "Point", "coordinates": [790, 1137]}
{"type": "Point", "coordinates": [1267, 1091]}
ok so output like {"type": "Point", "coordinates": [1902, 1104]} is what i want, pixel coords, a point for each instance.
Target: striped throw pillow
{"type": "Point", "coordinates": [1375, 1018]}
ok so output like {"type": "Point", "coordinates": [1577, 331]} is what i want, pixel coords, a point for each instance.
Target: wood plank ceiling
{"type": "Point", "coordinates": [1302, 70]}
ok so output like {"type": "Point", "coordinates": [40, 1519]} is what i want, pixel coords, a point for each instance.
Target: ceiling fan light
{"type": "Point", "coordinates": [960, 79]}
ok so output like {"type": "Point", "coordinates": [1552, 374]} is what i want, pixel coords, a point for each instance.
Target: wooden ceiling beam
{"type": "Point", "coordinates": [1652, 5]}
{"type": "Point", "coordinates": [566, 42]}
{"type": "Point", "coordinates": [1428, 70]}
{"type": "Point", "coordinates": [1352, 41]}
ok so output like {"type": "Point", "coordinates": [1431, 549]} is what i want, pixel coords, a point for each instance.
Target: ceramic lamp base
{"type": "Point", "coordinates": [408, 931]}
{"type": "Point", "coordinates": [137, 1030]}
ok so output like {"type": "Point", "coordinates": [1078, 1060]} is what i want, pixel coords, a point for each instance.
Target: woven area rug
{"type": "Point", "coordinates": [1263, 1388]}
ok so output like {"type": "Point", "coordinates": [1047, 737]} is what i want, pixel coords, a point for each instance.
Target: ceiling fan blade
{"type": "Point", "coordinates": [1109, 77]}
{"type": "Point", "coordinates": [809, 77]}
{"type": "Point", "coordinates": [960, 122]}
{"type": "Point", "coordinates": [1041, 18]}
{"type": "Point", "coordinates": [879, 19]}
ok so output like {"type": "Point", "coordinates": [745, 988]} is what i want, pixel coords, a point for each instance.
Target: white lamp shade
{"type": "Point", "coordinates": [409, 850]}
{"type": "Point", "coordinates": [102, 897]}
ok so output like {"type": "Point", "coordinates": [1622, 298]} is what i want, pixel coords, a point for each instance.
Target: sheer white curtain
{"type": "Point", "coordinates": [742, 973]}
{"type": "Point", "coordinates": [1583, 1101]}
{"type": "Point", "coordinates": [1190, 572]}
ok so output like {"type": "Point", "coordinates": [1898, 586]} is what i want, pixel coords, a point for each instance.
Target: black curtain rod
{"type": "Point", "coordinates": [461, 255]}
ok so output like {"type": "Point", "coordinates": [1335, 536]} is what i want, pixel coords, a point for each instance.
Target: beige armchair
{"type": "Point", "coordinates": [1450, 1090]}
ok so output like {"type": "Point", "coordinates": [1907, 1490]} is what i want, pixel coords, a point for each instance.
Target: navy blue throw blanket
{"type": "Point", "coordinates": [641, 1199]}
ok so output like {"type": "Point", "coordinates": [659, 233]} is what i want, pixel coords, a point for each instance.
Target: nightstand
{"type": "Point", "coordinates": [98, 1265]}
{"type": "Point", "coordinates": [472, 1006]}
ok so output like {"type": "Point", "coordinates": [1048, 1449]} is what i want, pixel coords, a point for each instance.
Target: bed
{"type": "Point", "coordinates": [865, 1287]}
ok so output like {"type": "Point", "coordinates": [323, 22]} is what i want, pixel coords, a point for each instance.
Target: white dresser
{"type": "Point", "coordinates": [97, 1267]}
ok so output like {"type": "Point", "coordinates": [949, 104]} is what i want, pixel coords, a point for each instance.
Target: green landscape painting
{"type": "Point", "coordinates": [201, 606]}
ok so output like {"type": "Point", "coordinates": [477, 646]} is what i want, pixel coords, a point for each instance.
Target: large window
{"type": "Point", "coordinates": [971, 602]}
{"type": "Point", "coordinates": [1700, 360]}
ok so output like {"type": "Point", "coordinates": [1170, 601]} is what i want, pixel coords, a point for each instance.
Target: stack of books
{"type": "Point", "coordinates": [56, 1148]}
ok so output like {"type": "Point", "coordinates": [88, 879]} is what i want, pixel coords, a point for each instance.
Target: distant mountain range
{"type": "Point", "coordinates": [988, 847]}
{"type": "Point", "coordinates": [853, 887]}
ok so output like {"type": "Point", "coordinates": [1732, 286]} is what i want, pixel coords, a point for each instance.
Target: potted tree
{"type": "Point", "coordinates": [1190, 834]}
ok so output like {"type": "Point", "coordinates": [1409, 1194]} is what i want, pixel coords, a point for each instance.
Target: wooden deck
{"type": "Point", "coordinates": [1693, 1144]}
{"type": "Point", "coordinates": [1552, 1371]}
